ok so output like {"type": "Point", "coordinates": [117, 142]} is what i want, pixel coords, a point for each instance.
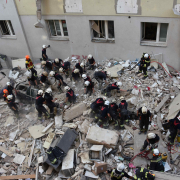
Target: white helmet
{"type": "Point", "coordinates": [119, 83]}
{"type": "Point", "coordinates": [146, 56]}
{"type": "Point", "coordinates": [76, 71]}
{"type": "Point", "coordinates": [67, 88]}
{"type": "Point", "coordinates": [61, 70]}
{"type": "Point", "coordinates": [84, 76]}
{"type": "Point", "coordinates": [106, 103]}
{"type": "Point", "coordinates": [151, 135]}
{"type": "Point", "coordinates": [8, 83]}
{"type": "Point", "coordinates": [104, 98]}
{"type": "Point", "coordinates": [57, 60]}
{"type": "Point", "coordinates": [49, 90]}
{"type": "Point", "coordinates": [45, 73]}
{"type": "Point", "coordinates": [43, 62]}
{"type": "Point", "coordinates": [122, 98]}
{"type": "Point", "coordinates": [108, 74]}
{"type": "Point", "coordinates": [29, 74]}
{"type": "Point", "coordinates": [9, 97]}
{"type": "Point", "coordinates": [40, 92]}
{"type": "Point", "coordinates": [52, 73]}
{"type": "Point", "coordinates": [144, 110]}
{"type": "Point", "coordinates": [90, 56]}
{"type": "Point", "coordinates": [82, 64]}
{"type": "Point", "coordinates": [87, 83]}
{"type": "Point", "coordinates": [156, 151]}
{"type": "Point", "coordinates": [44, 46]}
{"type": "Point", "coordinates": [120, 167]}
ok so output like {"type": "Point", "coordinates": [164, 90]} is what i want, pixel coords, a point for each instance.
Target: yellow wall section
{"type": "Point", "coordinates": [155, 8]}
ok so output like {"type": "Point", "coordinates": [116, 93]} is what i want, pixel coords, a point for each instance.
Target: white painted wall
{"type": "Point", "coordinates": [72, 6]}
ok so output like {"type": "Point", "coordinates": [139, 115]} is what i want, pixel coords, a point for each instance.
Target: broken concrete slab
{"type": "Point", "coordinates": [113, 70]}
{"type": "Point", "coordinates": [160, 105]}
{"type": "Point", "coordinates": [36, 131]}
{"type": "Point", "coordinates": [91, 175]}
{"type": "Point", "coordinates": [74, 112]}
{"type": "Point", "coordinates": [84, 126]}
{"type": "Point", "coordinates": [85, 157]}
{"type": "Point", "coordinates": [19, 159]}
{"type": "Point", "coordinates": [70, 125]}
{"type": "Point", "coordinates": [12, 135]}
{"type": "Point", "coordinates": [6, 151]}
{"type": "Point", "coordinates": [97, 135]}
{"type": "Point", "coordinates": [49, 140]}
{"type": "Point", "coordinates": [58, 121]}
{"type": "Point", "coordinates": [9, 121]}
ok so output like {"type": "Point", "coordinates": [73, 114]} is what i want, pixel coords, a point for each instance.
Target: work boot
{"type": "Point", "coordinates": [145, 132]}
{"type": "Point", "coordinates": [137, 73]}
{"type": "Point", "coordinates": [139, 132]}
{"type": "Point", "coordinates": [99, 123]}
{"type": "Point", "coordinates": [116, 127]}
{"type": "Point", "coordinates": [142, 149]}
{"type": "Point", "coordinates": [144, 77]}
{"type": "Point", "coordinates": [122, 127]}
{"type": "Point", "coordinates": [105, 126]}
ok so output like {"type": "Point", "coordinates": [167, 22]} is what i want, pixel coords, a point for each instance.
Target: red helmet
{"type": "Point", "coordinates": [5, 91]}
{"type": "Point", "coordinates": [27, 57]}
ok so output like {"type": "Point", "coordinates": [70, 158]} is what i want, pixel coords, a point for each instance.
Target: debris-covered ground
{"type": "Point", "coordinates": [91, 150]}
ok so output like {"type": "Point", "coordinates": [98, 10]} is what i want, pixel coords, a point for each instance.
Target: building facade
{"type": "Point", "coordinates": [103, 28]}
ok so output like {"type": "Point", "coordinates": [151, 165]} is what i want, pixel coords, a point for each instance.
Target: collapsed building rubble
{"type": "Point", "coordinates": [88, 150]}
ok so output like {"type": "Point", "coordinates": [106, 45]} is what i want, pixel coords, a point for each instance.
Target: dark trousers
{"type": "Point", "coordinates": [72, 99]}
{"type": "Point", "coordinates": [144, 122]}
{"type": "Point", "coordinates": [42, 109]}
{"type": "Point", "coordinates": [144, 69]}
{"type": "Point", "coordinates": [173, 133]}
{"type": "Point", "coordinates": [89, 91]}
{"type": "Point", "coordinates": [34, 72]}
{"type": "Point", "coordinates": [16, 112]}
{"type": "Point", "coordinates": [152, 145]}
{"type": "Point", "coordinates": [91, 67]}
{"type": "Point", "coordinates": [114, 116]}
{"type": "Point", "coordinates": [51, 107]}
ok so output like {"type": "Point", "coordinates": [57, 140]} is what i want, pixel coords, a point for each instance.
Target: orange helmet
{"type": "Point", "coordinates": [27, 57]}
{"type": "Point", "coordinates": [5, 91]}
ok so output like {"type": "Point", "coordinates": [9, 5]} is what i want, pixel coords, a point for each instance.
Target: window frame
{"type": "Point", "coordinates": [106, 39]}
{"type": "Point", "coordinates": [9, 29]}
{"type": "Point", "coordinates": [153, 42]}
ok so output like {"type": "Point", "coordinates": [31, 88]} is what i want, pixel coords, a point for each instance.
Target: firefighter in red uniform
{"type": "Point", "coordinates": [70, 95]}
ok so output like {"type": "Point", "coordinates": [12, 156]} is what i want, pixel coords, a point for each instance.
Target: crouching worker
{"type": "Point", "coordinates": [12, 105]}
{"type": "Point", "coordinates": [89, 87]}
{"type": "Point", "coordinates": [70, 97]}
{"type": "Point", "coordinates": [50, 102]}
{"type": "Point", "coordinates": [143, 174]}
{"type": "Point", "coordinates": [44, 79]}
{"type": "Point", "coordinates": [119, 173]}
{"type": "Point", "coordinates": [39, 105]}
{"type": "Point", "coordinates": [104, 116]}
{"type": "Point", "coordinates": [157, 161]}
{"type": "Point", "coordinates": [151, 141]}
{"type": "Point", "coordinates": [75, 75]}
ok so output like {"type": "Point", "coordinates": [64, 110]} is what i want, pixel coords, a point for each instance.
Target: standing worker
{"type": "Point", "coordinates": [104, 115]}
{"type": "Point", "coordinates": [75, 75]}
{"type": "Point", "coordinates": [50, 102]}
{"type": "Point", "coordinates": [47, 65]}
{"type": "Point", "coordinates": [65, 68]}
{"type": "Point", "coordinates": [143, 174]}
{"type": "Point", "coordinates": [70, 95]}
{"type": "Point", "coordinates": [89, 87]}
{"type": "Point", "coordinates": [30, 66]}
{"type": "Point", "coordinates": [12, 105]}
{"type": "Point", "coordinates": [31, 78]}
{"type": "Point", "coordinates": [151, 141]}
{"type": "Point", "coordinates": [44, 56]}
{"type": "Point", "coordinates": [119, 173]}
{"type": "Point", "coordinates": [144, 63]}
{"type": "Point", "coordinates": [144, 115]}
{"type": "Point", "coordinates": [157, 161]}
{"type": "Point", "coordinates": [91, 62]}
{"type": "Point", "coordinates": [39, 105]}
{"type": "Point", "coordinates": [57, 64]}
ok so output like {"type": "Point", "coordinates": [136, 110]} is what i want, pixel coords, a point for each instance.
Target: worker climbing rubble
{"type": "Point", "coordinates": [47, 66]}
{"type": "Point", "coordinates": [32, 80]}
{"type": "Point", "coordinates": [80, 66]}
{"type": "Point", "coordinates": [75, 75]}
{"type": "Point", "coordinates": [65, 68]}
{"type": "Point", "coordinates": [70, 96]}
{"type": "Point", "coordinates": [30, 66]}
{"type": "Point", "coordinates": [12, 105]}
{"type": "Point", "coordinates": [90, 62]}
{"type": "Point", "coordinates": [57, 64]}
{"type": "Point", "coordinates": [44, 79]}
{"type": "Point", "coordinates": [89, 87]}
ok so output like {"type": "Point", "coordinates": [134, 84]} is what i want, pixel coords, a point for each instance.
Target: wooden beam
{"type": "Point", "coordinates": [18, 176]}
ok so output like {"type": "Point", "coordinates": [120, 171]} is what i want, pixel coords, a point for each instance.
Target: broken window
{"type": "Point", "coordinates": [102, 29]}
{"type": "Point", "coordinates": [57, 27]}
{"type": "Point", "coordinates": [6, 28]}
{"type": "Point", "coordinates": [154, 31]}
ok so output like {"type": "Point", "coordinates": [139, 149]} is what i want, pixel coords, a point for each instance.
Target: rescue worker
{"type": "Point", "coordinates": [30, 66]}
{"type": "Point", "coordinates": [44, 56]}
{"type": "Point", "coordinates": [6, 93]}
{"type": "Point", "coordinates": [57, 64]}
{"type": "Point", "coordinates": [39, 105]}
{"type": "Point", "coordinates": [44, 79]}
{"type": "Point", "coordinates": [113, 111]}
{"type": "Point", "coordinates": [31, 78]}
{"type": "Point", "coordinates": [156, 163]}
{"type": "Point", "coordinates": [80, 66]}
{"type": "Point", "coordinates": [118, 173]}
{"type": "Point", "coordinates": [65, 68]}
{"type": "Point", "coordinates": [144, 115]}
{"type": "Point", "coordinates": [59, 78]}
{"type": "Point", "coordinates": [96, 106]}
{"type": "Point", "coordinates": [86, 78]}
{"type": "Point", "coordinates": [69, 95]}
{"type": "Point", "coordinates": [10, 89]}
{"type": "Point", "coordinates": [174, 129]}
{"type": "Point", "coordinates": [152, 140]}
{"type": "Point", "coordinates": [50, 102]}
{"type": "Point", "coordinates": [89, 87]}
{"type": "Point", "coordinates": [12, 105]}
{"type": "Point", "coordinates": [144, 63]}
{"type": "Point", "coordinates": [75, 74]}
{"type": "Point", "coordinates": [47, 65]}
{"type": "Point", "coordinates": [90, 62]}
{"type": "Point", "coordinates": [100, 76]}
{"type": "Point", "coordinates": [143, 174]}
{"type": "Point", "coordinates": [104, 116]}
{"type": "Point", "coordinates": [123, 112]}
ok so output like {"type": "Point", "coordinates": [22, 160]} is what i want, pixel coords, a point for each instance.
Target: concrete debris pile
{"type": "Point", "coordinates": [78, 147]}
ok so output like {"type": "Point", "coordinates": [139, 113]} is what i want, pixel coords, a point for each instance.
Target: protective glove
{"type": "Point", "coordinates": [129, 90]}
{"type": "Point", "coordinates": [144, 65]}
{"type": "Point", "coordinates": [43, 84]}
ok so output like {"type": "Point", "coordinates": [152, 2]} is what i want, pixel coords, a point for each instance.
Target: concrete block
{"type": "Point", "coordinates": [74, 112]}
{"type": "Point", "coordinates": [162, 103]}
{"type": "Point", "coordinates": [85, 126]}
{"type": "Point", "coordinates": [97, 135]}
{"type": "Point", "coordinates": [58, 122]}
{"type": "Point", "coordinates": [95, 153]}
{"type": "Point", "coordinates": [87, 167]}
{"type": "Point", "coordinates": [91, 175]}
{"type": "Point", "coordinates": [113, 70]}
